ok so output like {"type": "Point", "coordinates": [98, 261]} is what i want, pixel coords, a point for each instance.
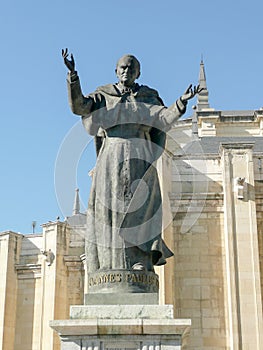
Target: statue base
{"type": "Point", "coordinates": [121, 312]}
{"type": "Point", "coordinates": [122, 327]}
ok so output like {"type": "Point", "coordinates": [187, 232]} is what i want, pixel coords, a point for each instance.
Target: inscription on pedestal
{"type": "Point", "coordinates": [123, 280]}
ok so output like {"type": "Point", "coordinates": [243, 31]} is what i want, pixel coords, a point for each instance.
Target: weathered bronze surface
{"type": "Point", "coordinates": [129, 122]}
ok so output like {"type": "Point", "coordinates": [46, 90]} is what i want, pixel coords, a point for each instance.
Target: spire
{"type": "Point", "coordinates": [202, 98]}
{"type": "Point", "coordinates": [76, 208]}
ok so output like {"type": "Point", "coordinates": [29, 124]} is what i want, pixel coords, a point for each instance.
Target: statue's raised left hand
{"type": "Point", "coordinates": [191, 92]}
{"type": "Point", "coordinates": [70, 64]}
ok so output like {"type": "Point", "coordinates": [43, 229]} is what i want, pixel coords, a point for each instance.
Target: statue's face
{"type": "Point", "coordinates": [127, 70]}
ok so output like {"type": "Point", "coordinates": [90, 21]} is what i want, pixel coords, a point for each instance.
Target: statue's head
{"type": "Point", "coordinates": [127, 69]}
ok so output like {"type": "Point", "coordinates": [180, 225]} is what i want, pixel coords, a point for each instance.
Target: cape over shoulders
{"type": "Point", "coordinates": [111, 89]}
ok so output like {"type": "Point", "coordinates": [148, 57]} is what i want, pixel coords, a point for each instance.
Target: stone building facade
{"type": "Point", "coordinates": [212, 182]}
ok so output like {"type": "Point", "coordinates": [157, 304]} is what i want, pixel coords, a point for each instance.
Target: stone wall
{"type": "Point", "coordinates": [41, 276]}
{"type": "Point", "coordinates": [199, 276]}
{"type": "Point", "coordinates": [259, 208]}
{"type": "Point", "coordinates": [217, 239]}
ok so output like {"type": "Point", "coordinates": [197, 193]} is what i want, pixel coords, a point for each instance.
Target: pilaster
{"type": "Point", "coordinates": [54, 281]}
{"type": "Point", "coordinates": [243, 292]}
{"type": "Point", "coordinates": [10, 244]}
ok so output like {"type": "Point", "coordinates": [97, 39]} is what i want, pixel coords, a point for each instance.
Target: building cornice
{"type": "Point", "coordinates": [28, 271]}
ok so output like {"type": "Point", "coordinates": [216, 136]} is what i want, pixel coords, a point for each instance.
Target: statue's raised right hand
{"type": "Point", "coordinates": [70, 64]}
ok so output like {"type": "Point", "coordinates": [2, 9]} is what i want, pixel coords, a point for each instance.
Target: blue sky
{"type": "Point", "coordinates": [168, 37]}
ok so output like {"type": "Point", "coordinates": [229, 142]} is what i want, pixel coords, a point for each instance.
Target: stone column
{"type": "Point", "coordinates": [242, 282]}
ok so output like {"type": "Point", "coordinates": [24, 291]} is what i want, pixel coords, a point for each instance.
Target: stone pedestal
{"type": "Point", "coordinates": [121, 312]}
{"type": "Point", "coordinates": [120, 287]}
{"type": "Point", "coordinates": [122, 327]}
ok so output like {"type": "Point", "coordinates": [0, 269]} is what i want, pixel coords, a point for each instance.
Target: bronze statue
{"type": "Point", "coordinates": [129, 122]}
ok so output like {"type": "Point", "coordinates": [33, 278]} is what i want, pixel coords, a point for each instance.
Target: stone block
{"type": "Point", "coordinates": [121, 298]}
{"type": "Point", "coordinates": [116, 327]}
{"type": "Point", "coordinates": [120, 326]}
{"type": "Point", "coordinates": [71, 345]}
{"type": "Point", "coordinates": [123, 343]}
{"type": "Point", "coordinates": [118, 312]}
{"type": "Point", "coordinates": [172, 326]}
{"type": "Point", "coordinates": [150, 333]}
{"type": "Point", "coordinates": [75, 327]}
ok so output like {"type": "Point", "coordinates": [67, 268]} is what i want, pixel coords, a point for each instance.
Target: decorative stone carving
{"type": "Point", "coordinates": [50, 256]}
{"type": "Point", "coordinates": [240, 187]}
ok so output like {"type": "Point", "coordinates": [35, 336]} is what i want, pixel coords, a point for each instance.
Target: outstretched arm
{"type": "Point", "coordinates": [79, 104]}
{"type": "Point", "coordinates": [177, 109]}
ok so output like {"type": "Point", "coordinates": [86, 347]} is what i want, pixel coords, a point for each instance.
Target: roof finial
{"type": "Point", "coordinates": [202, 98]}
{"type": "Point", "coordinates": [194, 124]}
{"type": "Point", "coordinates": [34, 223]}
{"type": "Point", "coordinates": [76, 207]}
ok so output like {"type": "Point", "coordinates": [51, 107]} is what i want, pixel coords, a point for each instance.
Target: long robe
{"type": "Point", "coordinates": [124, 216]}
